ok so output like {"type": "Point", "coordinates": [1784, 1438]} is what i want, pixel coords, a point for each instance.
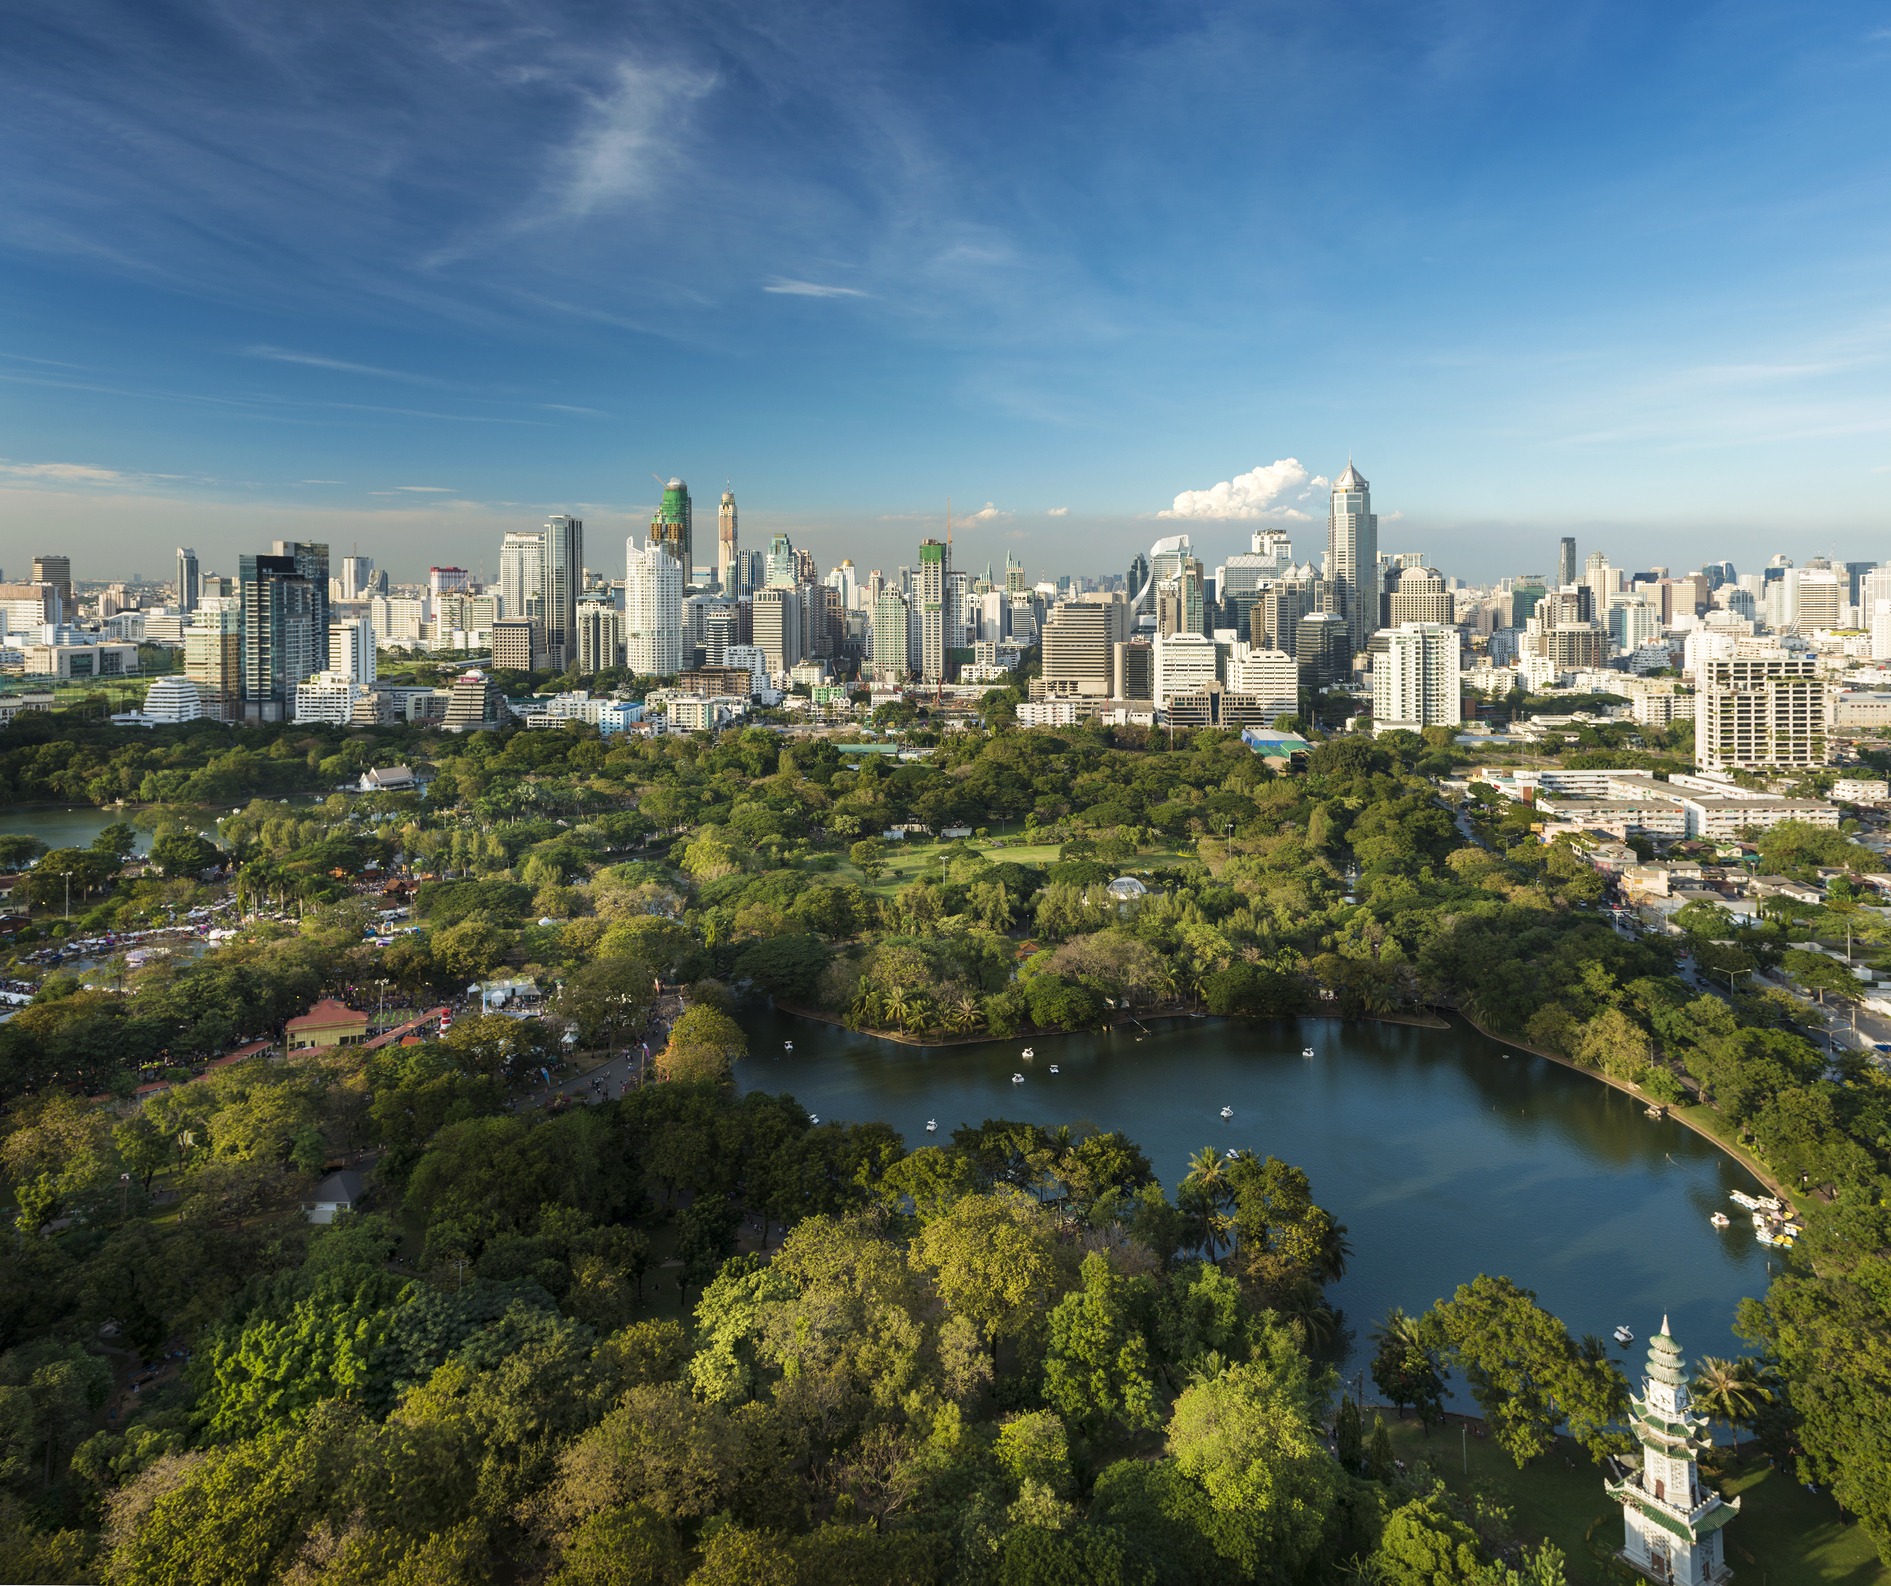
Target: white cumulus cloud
{"type": "Point", "coordinates": [1058, 512]}
{"type": "Point", "coordinates": [988, 513]}
{"type": "Point", "coordinates": [1254, 494]}
{"type": "Point", "coordinates": [63, 473]}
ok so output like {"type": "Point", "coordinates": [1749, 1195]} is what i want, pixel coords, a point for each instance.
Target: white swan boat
{"type": "Point", "coordinates": [932, 1126]}
{"type": "Point", "coordinates": [1624, 1337]}
{"type": "Point", "coordinates": [1054, 1068]}
{"type": "Point", "coordinates": [1720, 1219]}
{"type": "Point", "coordinates": [1227, 1112]}
{"type": "Point", "coordinates": [1030, 1052]}
{"type": "Point", "coordinates": [1306, 1051]}
{"type": "Point", "coordinates": [1017, 1079]}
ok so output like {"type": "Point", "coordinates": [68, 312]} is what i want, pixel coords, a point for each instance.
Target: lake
{"type": "Point", "coordinates": [1445, 1154]}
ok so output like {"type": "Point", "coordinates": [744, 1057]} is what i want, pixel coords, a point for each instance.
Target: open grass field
{"type": "Point", "coordinates": [1785, 1536]}
{"type": "Point", "coordinates": [906, 861]}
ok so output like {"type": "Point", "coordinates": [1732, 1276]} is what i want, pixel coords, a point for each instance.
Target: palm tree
{"type": "Point", "coordinates": [1205, 1189]}
{"type": "Point", "coordinates": [1335, 1251]}
{"type": "Point", "coordinates": [1731, 1391]}
{"type": "Point", "coordinates": [1306, 1310]}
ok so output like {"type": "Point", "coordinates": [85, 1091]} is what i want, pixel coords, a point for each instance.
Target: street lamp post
{"type": "Point", "coordinates": [66, 875]}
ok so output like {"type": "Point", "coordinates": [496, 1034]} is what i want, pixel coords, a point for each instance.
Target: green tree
{"type": "Point", "coordinates": [1731, 1391]}
{"type": "Point", "coordinates": [704, 1042]}
{"type": "Point", "coordinates": [869, 857]}
{"type": "Point", "coordinates": [1404, 1368]}
{"type": "Point", "coordinates": [608, 999]}
{"type": "Point", "coordinates": [992, 1259]}
{"type": "Point", "coordinates": [17, 850]}
{"type": "Point", "coordinates": [179, 854]}
{"type": "Point", "coordinates": [1098, 1370]}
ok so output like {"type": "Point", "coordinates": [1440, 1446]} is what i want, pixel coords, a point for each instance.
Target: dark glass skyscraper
{"type": "Point", "coordinates": [280, 633]}
{"type": "Point", "coordinates": [311, 565]}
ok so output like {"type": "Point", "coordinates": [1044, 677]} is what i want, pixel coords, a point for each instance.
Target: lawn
{"type": "Point", "coordinates": [905, 861]}
{"type": "Point", "coordinates": [1785, 1536]}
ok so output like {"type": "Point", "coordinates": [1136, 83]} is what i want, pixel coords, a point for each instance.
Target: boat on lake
{"type": "Point", "coordinates": [1720, 1220]}
{"type": "Point", "coordinates": [1624, 1336]}
{"type": "Point", "coordinates": [1306, 1051]}
{"type": "Point", "coordinates": [1030, 1052]}
{"type": "Point", "coordinates": [1227, 1112]}
{"type": "Point", "coordinates": [1747, 1201]}
{"type": "Point", "coordinates": [1017, 1079]}
{"type": "Point", "coordinates": [1054, 1068]}
{"type": "Point", "coordinates": [932, 1126]}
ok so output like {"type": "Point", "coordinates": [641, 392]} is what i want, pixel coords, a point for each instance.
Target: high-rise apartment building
{"type": "Point", "coordinates": [653, 609]}
{"type": "Point", "coordinates": [1271, 678]}
{"type": "Point", "coordinates": [929, 589]}
{"type": "Point", "coordinates": [1760, 713]}
{"type": "Point", "coordinates": [600, 635]}
{"type": "Point", "coordinates": [351, 650]}
{"type": "Point", "coordinates": [890, 640]}
{"type": "Point", "coordinates": [447, 581]}
{"type": "Point", "coordinates": [728, 563]}
{"type": "Point", "coordinates": [1078, 653]}
{"type": "Point", "coordinates": [1566, 560]}
{"type": "Point", "coordinates": [1185, 663]}
{"type": "Point", "coordinates": [672, 526]}
{"type": "Point", "coordinates": [190, 580]}
{"type": "Point", "coordinates": [1415, 677]}
{"type": "Point", "coordinates": [213, 657]}
{"type": "Point", "coordinates": [1352, 555]}
{"type": "Point", "coordinates": [280, 644]}
{"type": "Point", "coordinates": [775, 616]}
{"type": "Point", "coordinates": [1420, 596]}
{"type": "Point", "coordinates": [1814, 596]}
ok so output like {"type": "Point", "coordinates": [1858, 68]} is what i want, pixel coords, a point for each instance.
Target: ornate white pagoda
{"type": "Point", "coordinates": [1672, 1522]}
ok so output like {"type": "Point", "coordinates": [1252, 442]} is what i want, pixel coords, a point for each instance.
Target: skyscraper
{"type": "Point", "coordinates": [930, 589]}
{"type": "Point", "coordinates": [889, 636]}
{"type": "Point", "coordinates": [57, 571]}
{"type": "Point", "coordinates": [1138, 573]}
{"type": "Point", "coordinates": [726, 545]}
{"type": "Point", "coordinates": [311, 565]}
{"type": "Point", "coordinates": [1415, 677]}
{"type": "Point", "coordinates": [776, 619]}
{"type": "Point", "coordinates": [653, 609]}
{"type": "Point", "coordinates": [600, 635]}
{"type": "Point", "coordinates": [357, 577]}
{"type": "Point", "coordinates": [1421, 596]}
{"type": "Point", "coordinates": [1566, 560]}
{"type": "Point", "coordinates": [280, 643]}
{"type": "Point", "coordinates": [1352, 555]}
{"type": "Point", "coordinates": [522, 581]}
{"type": "Point", "coordinates": [351, 650]}
{"type": "Point", "coordinates": [564, 577]}
{"type": "Point", "coordinates": [672, 526]}
{"type": "Point", "coordinates": [190, 582]}
{"type": "Point", "coordinates": [783, 564]}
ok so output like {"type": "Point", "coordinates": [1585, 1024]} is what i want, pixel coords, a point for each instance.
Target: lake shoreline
{"type": "Point", "coordinates": [1422, 1021]}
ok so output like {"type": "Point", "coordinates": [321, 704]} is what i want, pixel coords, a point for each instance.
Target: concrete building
{"type": "Point", "coordinates": [1352, 556]}
{"type": "Point", "coordinates": [512, 645]}
{"type": "Point", "coordinates": [190, 580]}
{"type": "Point", "coordinates": [931, 611]}
{"type": "Point", "coordinates": [351, 650]}
{"type": "Point", "coordinates": [171, 701]}
{"type": "Point", "coordinates": [1420, 596]}
{"type": "Point", "coordinates": [1760, 713]}
{"type": "Point", "coordinates": [1415, 678]}
{"type": "Point", "coordinates": [329, 699]}
{"type": "Point", "coordinates": [1185, 663]}
{"type": "Point", "coordinates": [891, 638]}
{"type": "Point", "coordinates": [1078, 652]}
{"type": "Point", "coordinates": [600, 635]}
{"type": "Point", "coordinates": [674, 525]}
{"type": "Point", "coordinates": [653, 609]}
{"type": "Point", "coordinates": [213, 658]}
{"type": "Point", "coordinates": [728, 548]}
{"type": "Point", "coordinates": [776, 618]}
{"type": "Point", "coordinates": [1271, 676]}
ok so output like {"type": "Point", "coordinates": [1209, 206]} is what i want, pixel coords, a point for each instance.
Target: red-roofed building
{"type": "Point", "coordinates": [328, 1024]}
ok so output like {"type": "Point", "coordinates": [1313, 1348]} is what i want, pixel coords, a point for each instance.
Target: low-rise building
{"type": "Point", "coordinates": [328, 1024]}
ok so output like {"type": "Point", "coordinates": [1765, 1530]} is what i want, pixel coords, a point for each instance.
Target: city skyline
{"type": "Point", "coordinates": [1543, 273]}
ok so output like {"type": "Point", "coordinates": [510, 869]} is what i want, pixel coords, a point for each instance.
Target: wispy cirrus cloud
{"type": "Point", "coordinates": [65, 473]}
{"type": "Point", "coordinates": [783, 287]}
{"type": "Point", "coordinates": [316, 360]}
{"type": "Point", "coordinates": [428, 490]}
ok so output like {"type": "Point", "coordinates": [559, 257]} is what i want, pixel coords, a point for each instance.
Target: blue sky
{"type": "Point", "coordinates": [404, 276]}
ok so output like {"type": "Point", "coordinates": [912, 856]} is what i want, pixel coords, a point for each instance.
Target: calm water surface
{"type": "Point", "coordinates": [1444, 1153]}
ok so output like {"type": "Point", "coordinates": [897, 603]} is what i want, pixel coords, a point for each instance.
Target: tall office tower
{"type": "Point", "coordinates": [1138, 575]}
{"type": "Point", "coordinates": [357, 577]}
{"type": "Point", "coordinates": [844, 580]}
{"type": "Point", "coordinates": [672, 525]}
{"type": "Point", "coordinates": [280, 643]}
{"type": "Point", "coordinates": [447, 580]}
{"type": "Point", "coordinates": [775, 615]}
{"type": "Point", "coordinates": [931, 590]}
{"type": "Point", "coordinates": [1014, 576]}
{"type": "Point", "coordinates": [213, 658]}
{"type": "Point", "coordinates": [351, 650]}
{"type": "Point", "coordinates": [653, 608]}
{"type": "Point", "coordinates": [1814, 595]}
{"type": "Point", "coordinates": [1420, 596]}
{"type": "Point", "coordinates": [1571, 603]}
{"type": "Point", "coordinates": [564, 574]}
{"type": "Point", "coordinates": [821, 623]}
{"type": "Point", "coordinates": [190, 580]}
{"type": "Point", "coordinates": [522, 581]}
{"type": "Point", "coordinates": [514, 646]}
{"type": "Point", "coordinates": [726, 546]}
{"type": "Point", "coordinates": [806, 569]}
{"type": "Point", "coordinates": [57, 571]}
{"type": "Point", "coordinates": [1079, 648]}
{"type": "Point", "coordinates": [1566, 560]}
{"type": "Point", "coordinates": [1415, 677]}
{"type": "Point", "coordinates": [1194, 596]}
{"type": "Point", "coordinates": [311, 565]}
{"type": "Point", "coordinates": [889, 636]}
{"type": "Point", "coordinates": [754, 568]}
{"type": "Point", "coordinates": [783, 564]}
{"type": "Point", "coordinates": [1352, 555]}
{"type": "Point", "coordinates": [1171, 609]}
{"type": "Point", "coordinates": [1760, 713]}
{"type": "Point", "coordinates": [1855, 575]}
{"type": "Point", "coordinates": [600, 635]}
{"type": "Point", "coordinates": [1323, 648]}
{"type": "Point", "coordinates": [1185, 663]}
